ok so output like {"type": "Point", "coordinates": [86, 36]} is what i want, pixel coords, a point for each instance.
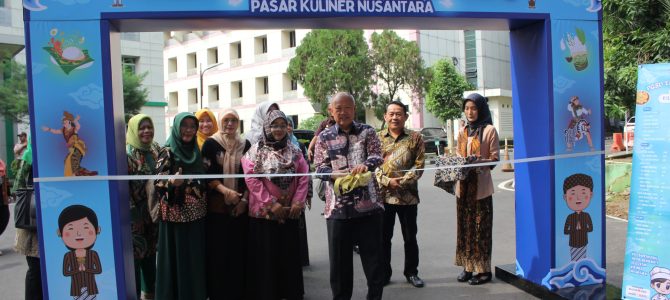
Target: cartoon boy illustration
{"type": "Point", "coordinates": [660, 282]}
{"type": "Point", "coordinates": [76, 146]}
{"type": "Point", "coordinates": [577, 192]}
{"type": "Point", "coordinates": [78, 227]}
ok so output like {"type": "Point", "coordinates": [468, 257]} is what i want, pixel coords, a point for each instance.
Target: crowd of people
{"type": "Point", "coordinates": [241, 234]}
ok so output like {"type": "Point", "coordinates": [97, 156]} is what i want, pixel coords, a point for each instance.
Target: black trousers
{"type": "Point", "coordinates": [4, 216]}
{"type": "Point", "coordinates": [366, 232]}
{"type": "Point", "coordinates": [407, 216]}
{"type": "Point", "coordinates": [33, 289]}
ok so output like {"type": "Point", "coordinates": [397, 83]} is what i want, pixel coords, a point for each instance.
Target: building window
{"type": "Point", "coordinates": [213, 93]}
{"type": "Point", "coordinates": [235, 54]}
{"type": "Point", "coordinates": [191, 64]}
{"type": "Point", "coordinates": [173, 99]}
{"type": "Point", "coordinates": [128, 36]}
{"type": "Point", "coordinates": [294, 85]}
{"type": "Point", "coordinates": [261, 44]}
{"type": "Point", "coordinates": [236, 89]}
{"type": "Point", "coordinates": [291, 39]}
{"type": "Point", "coordinates": [241, 126]}
{"type": "Point", "coordinates": [129, 63]}
{"type": "Point", "coordinates": [192, 96]}
{"type": "Point", "coordinates": [212, 56]}
{"type": "Point", "coordinates": [266, 86]}
{"type": "Point", "coordinates": [470, 43]}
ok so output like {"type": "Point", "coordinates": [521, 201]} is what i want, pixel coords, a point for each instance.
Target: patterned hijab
{"type": "Point", "coordinates": [201, 136]}
{"type": "Point", "coordinates": [186, 155]}
{"type": "Point", "coordinates": [234, 146]}
{"type": "Point", "coordinates": [133, 132]}
{"type": "Point", "coordinates": [274, 157]}
{"type": "Point", "coordinates": [255, 134]}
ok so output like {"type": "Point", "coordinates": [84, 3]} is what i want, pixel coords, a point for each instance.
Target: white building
{"type": "Point", "coordinates": [246, 67]}
{"type": "Point", "coordinates": [143, 52]}
{"type": "Point", "coordinates": [241, 69]}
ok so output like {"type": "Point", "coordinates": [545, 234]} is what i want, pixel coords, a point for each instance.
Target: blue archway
{"type": "Point", "coordinates": [73, 67]}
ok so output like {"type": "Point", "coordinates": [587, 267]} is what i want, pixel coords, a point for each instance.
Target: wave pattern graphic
{"type": "Point", "coordinates": [574, 274]}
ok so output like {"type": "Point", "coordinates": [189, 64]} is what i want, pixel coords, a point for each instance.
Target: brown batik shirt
{"type": "Point", "coordinates": [401, 155]}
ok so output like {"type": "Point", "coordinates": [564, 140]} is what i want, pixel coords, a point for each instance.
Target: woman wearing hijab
{"type": "Point", "coordinates": [142, 154]}
{"type": "Point", "coordinates": [478, 141]}
{"type": "Point", "coordinates": [256, 132]}
{"type": "Point", "coordinates": [227, 219]}
{"type": "Point", "coordinates": [181, 235]}
{"type": "Point", "coordinates": [275, 205]}
{"type": "Point", "coordinates": [206, 125]}
{"type": "Point", "coordinates": [304, 247]}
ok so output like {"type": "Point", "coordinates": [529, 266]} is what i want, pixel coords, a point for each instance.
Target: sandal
{"type": "Point", "coordinates": [464, 276]}
{"type": "Point", "coordinates": [480, 278]}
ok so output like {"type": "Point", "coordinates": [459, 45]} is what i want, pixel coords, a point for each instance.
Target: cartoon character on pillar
{"type": "Point", "coordinates": [660, 282]}
{"type": "Point", "coordinates": [577, 193]}
{"type": "Point", "coordinates": [531, 4]}
{"type": "Point", "coordinates": [578, 126]}
{"type": "Point", "coordinates": [78, 227]}
{"type": "Point", "coordinates": [76, 147]}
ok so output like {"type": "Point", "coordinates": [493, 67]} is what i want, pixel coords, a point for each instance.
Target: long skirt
{"type": "Point", "coordinates": [474, 241]}
{"type": "Point", "coordinates": [181, 261]}
{"type": "Point", "coordinates": [304, 248]}
{"type": "Point", "coordinates": [274, 265]}
{"type": "Point", "coordinates": [226, 256]}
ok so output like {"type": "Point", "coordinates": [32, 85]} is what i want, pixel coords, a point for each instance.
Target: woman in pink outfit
{"type": "Point", "coordinates": [275, 205]}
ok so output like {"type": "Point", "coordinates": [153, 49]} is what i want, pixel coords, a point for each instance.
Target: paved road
{"type": "Point", "coordinates": [437, 243]}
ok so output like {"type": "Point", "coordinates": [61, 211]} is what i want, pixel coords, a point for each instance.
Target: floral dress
{"type": "Point", "coordinates": [144, 230]}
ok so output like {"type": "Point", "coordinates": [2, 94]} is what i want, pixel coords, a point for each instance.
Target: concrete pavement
{"type": "Point", "coordinates": [437, 237]}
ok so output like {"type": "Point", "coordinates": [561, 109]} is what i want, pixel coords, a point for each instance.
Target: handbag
{"type": "Point", "coordinates": [450, 170]}
{"type": "Point", "coordinates": [153, 204]}
{"type": "Point", "coordinates": [25, 212]}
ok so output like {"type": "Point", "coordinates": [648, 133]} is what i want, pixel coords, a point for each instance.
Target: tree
{"type": "Point", "coordinates": [134, 93]}
{"type": "Point", "coordinates": [634, 32]}
{"type": "Point", "coordinates": [330, 61]}
{"type": "Point", "coordinates": [312, 123]}
{"type": "Point", "coordinates": [397, 66]}
{"type": "Point", "coordinates": [445, 93]}
{"type": "Point", "coordinates": [13, 91]}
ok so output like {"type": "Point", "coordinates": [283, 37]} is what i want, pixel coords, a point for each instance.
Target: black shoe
{"type": "Point", "coordinates": [480, 278]}
{"type": "Point", "coordinates": [415, 281]}
{"type": "Point", "coordinates": [464, 276]}
{"type": "Point", "coordinates": [357, 250]}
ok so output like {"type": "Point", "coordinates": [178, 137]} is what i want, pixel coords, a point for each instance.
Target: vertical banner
{"type": "Point", "coordinates": [647, 260]}
{"type": "Point", "coordinates": [579, 199]}
{"type": "Point", "coordinates": [68, 127]}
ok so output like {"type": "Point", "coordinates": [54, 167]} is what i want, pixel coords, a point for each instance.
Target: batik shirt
{"type": "Point", "coordinates": [143, 229]}
{"type": "Point", "coordinates": [400, 155]}
{"type": "Point", "coordinates": [339, 152]}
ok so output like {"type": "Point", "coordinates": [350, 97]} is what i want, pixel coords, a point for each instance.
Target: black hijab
{"type": "Point", "coordinates": [483, 113]}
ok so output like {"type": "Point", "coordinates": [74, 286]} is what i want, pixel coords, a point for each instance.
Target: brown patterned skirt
{"type": "Point", "coordinates": [474, 220]}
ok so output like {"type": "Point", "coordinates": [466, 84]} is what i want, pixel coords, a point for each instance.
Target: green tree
{"type": "Point", "coordinates": [445, 93]}
{"type": "Point", "coordinates": [134, 93]}
{"type": "Point", "coordinates": [330, 61]}
{"type": "Point", "coordinates": [13, 91]}
{"type": "Point", "coordinates": [397, 66]}
{"type": "Point", "coordinates": [312, 123]}
{"type": "Point", "coordinates": [634, 32]}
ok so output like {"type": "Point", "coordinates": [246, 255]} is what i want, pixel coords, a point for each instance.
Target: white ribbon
{"type": "Point", "coordinates": [220, 176]}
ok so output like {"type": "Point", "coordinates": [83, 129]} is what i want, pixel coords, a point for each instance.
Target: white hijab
{"type": "Point", "coordinates": [256, 131]}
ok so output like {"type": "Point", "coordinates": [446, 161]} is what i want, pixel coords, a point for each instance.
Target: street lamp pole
{"type": "Point", "coordinates": [202, 73]}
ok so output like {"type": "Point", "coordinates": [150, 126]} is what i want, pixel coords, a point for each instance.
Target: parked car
{"type": "Point", "coordinates": [304, 136]}
{"type": "Point", "coordinates": [434, 138]}
{"type": "Point", "coordinates": [628, 132]}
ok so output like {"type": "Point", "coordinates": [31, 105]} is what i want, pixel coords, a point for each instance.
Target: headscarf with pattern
{"type": "Point", "coordinates": [201, 136]}
{"type": "Point", "coordinates": [186, 155]}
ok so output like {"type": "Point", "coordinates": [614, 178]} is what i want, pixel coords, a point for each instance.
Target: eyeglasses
{"type": "Point", "coordinates": [278, 127]}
